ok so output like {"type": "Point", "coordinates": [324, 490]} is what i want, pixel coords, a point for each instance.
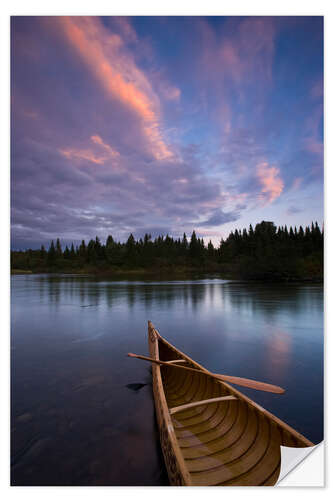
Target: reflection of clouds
{"type": "Point", "coordinates": [281, 342]}
{"type": "Point", "coordinates": [278, 353]}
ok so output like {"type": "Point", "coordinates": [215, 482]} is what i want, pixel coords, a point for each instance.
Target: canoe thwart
{"type": "Point", "coordinates": [245, 382]}
{"type": "Point", "coordinates": [176, 409]}
{"type": "Point", "coordinates": [177, 361]}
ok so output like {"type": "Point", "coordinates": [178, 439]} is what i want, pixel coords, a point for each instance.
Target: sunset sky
{"type": "Point", "coordinates": [164, 125]}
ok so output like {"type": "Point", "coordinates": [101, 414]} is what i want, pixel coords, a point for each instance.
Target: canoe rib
{"type": "Point", "coordinates": [211, 433]}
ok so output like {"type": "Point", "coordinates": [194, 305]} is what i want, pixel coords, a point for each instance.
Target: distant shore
{"type": "Point", "coordinates": [171, 273]}
{"type": "Point", "coordinates": [264, 253]}
{"type": "Point", "coordinates": [21, 271]}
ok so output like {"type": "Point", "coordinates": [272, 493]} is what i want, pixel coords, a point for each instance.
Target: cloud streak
{"type": "Point", "coordinates": [107, 59]}
{"type": "Point", "coordinates": [89, 155]}
{"type": "Point", "coordinates": [270, 181]}
{"type": "Point", "coordinates": [117, 127]}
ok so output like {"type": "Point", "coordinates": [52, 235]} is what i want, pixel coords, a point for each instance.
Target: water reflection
{"type": "Point", "coordinates": [250, 298]}
{"type": "Point", "coordinates": [74, 419]}
{"type": "Point", "coordinates": [279, 353]}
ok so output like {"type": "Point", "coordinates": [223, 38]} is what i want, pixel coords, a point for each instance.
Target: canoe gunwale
{"type": "Point", "coordinates": [175, 461]}
{"type": "Point", "coordinates": [175, 464]}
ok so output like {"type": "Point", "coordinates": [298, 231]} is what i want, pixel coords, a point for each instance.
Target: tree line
{"type": "Point", "coordinates": [265, 252]}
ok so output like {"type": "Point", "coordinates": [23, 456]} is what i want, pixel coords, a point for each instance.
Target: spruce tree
{"type": "Point", "coordinates": [58, 249]}
{"type": "Point", "coordinates": [51, 254]}
{"type": "Point", "coordinates": [43, 253]}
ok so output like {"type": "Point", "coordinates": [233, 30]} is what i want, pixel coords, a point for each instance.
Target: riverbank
{"type": "Point", "coordinates": [21, 271]}
{"type": "Point", "coordinates": [175, 273]}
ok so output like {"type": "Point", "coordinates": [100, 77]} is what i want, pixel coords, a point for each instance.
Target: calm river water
{"type": "Point", "coordinates": [75, 421]}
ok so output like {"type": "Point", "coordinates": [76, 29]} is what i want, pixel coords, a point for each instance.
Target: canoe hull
{"type": "Point", "coordinates": [172, 455]}
{"type": "Point", "coordinates": [230, 442]}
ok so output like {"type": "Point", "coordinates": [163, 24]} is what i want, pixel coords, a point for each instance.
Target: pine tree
{"type": "Point", "coordinates": [210, 249]}
{"type": "Point", "coordinates": [131, 253]}
{"type": "Point", "coordinates": [66, 253]}
{"type": "Point", "coordinates": [51, 254]}
{"type": "Point", "coordinates": [58, 250]}
{"type": "Point", "coordinates": [147, 239]}
{"type": "Point", "coordinates": [43, 253]}
{"type": "Point", "coordinates": [82, 250]}
{"type": "Point", "coordinates": [109, 242]}
{"type": "Point", "coordinates": [193, 247]}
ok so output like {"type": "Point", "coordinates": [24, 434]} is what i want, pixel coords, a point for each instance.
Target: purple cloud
{"type": "Point", "coordinates": [115, 129]}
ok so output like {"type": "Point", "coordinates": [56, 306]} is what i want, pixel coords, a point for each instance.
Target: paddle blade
{"type": "Point", "coordinates": [252, 384]}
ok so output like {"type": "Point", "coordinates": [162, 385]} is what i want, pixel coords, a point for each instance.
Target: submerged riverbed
{"type": "Point", "coordinates": [75, 421]}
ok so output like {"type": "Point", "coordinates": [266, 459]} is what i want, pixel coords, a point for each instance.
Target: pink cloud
{"type": "Point", "coordinates": [81, 154]}
{"type": "Point", "coordinates": [113, 66]}
{"type": "Point", "coordinates": [207, 234]}
{"type": "Point", "coordinates": [170, 93]}
{"type": "Point", "coordinates": [241, 53]}
{"type": "Point", "coordinates": [89, 154]}
{"type": "Point", "coordinates": [271, 184]}
{"type": "Point", "coordinates": [125, 28]}
{"type": "Point", "coordinates": [243, 49]}
{"type": "Point", "coordinates": [231, 62]}
{"type": "Point", "coordinates": [313, 145]}
{"type": "Point", "coordinates": [314, 121]}
{"type": "Point", "coordinates": [296, 183]}
{"type": "Point", "coordinates": [112, 153]}
{"type": "Point", "coordinates": [256, 44]}
{"type": "Point", "coordinates": [317, 89]}
{"type": "Point", "coordinates": [30, 114]}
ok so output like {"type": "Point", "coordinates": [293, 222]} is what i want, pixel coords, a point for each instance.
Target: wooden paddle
{"type": "Point", "coordinates": [245, 382]}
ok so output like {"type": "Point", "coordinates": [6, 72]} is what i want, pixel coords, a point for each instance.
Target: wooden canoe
{"type": "Point", "coordinates": [231, 441]}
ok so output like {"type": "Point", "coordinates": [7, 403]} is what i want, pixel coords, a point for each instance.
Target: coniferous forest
{"type": "Point", "coordinates": [263, 253]}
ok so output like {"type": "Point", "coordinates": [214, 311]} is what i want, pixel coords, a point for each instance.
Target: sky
{"type": "Point", "coordinates": [164, 125]}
